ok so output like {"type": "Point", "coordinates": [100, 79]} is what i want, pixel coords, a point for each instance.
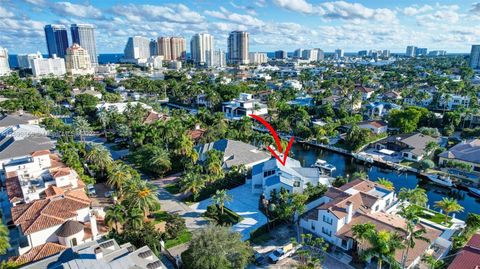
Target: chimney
{"type": "Point", "coordinates": [98, 253]}
{"type": "Point", "coordinates": [349, 212]}
{"type": "Point", "coordinates": [93, 225]}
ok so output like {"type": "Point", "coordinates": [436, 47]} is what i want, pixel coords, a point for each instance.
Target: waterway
{"type": "Point", "coordinates": [346, 166]}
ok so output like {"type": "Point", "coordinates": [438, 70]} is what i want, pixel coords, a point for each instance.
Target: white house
{"type": "Point", "coordinates": [293, 83]}
{"type": "Point", "coordinates": [451, 101]}
{"type": "Point", "coordinates": [272, 175]}
{"type": "Point", "coordinates": [377, 127]}
{"type": "Point", "coordinates": [243, 106]}
{"type": "Point", "coordinates": [360, 202]}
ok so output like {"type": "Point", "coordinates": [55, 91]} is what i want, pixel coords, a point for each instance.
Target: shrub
{"type": "Point", "coordinates": [174, 226]}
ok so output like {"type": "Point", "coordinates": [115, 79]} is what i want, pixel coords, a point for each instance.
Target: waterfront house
{"type": "Point", "coordinates": [243, 106]}
{"type": "Point", "coordinates": [234, 153]}
{"type": "Point", "coordinates": [465, 152]}
{"type": "Point", "coordinates": [357, 202]}
{"type": "Point", "coordinates": [379, 109]}
{"type": "Point", "coordinates": [407, 146]}
{"type": "Point", "coordinates": [469, 256]}
{"type": "Point", "coordinates": [272, 175]}
{"type": "Point", "coordinates": [376, 126]}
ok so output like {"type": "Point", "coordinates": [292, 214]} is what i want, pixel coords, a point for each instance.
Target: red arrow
{"type": "Point", "coordinates": [277, 140]}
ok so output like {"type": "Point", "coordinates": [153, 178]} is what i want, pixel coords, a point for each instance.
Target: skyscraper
{"type": "Point", "coordinates": [421, 51]}
{"type": "Point", "coordinates": [280, 55]}
{"type": "Point", "coordinates": [297, 53]}
{"type": "Point", "coordinates": [320, 55]}
{"type": "Point", "coordinates": [238, 47]}
{"type": "Point", "coordinates": [77, 61]}
{"type": "Point", "coordinates": [475, 57]}
{"type": "Point", "coordinates": [153, 47]}
{"type": "Point", "coordinates": [164, 48]}
{"type": "Point", "coordinates": [339, 53]}
{"type": "Point", "coordinates": [257, 57]}
{"type": "Point", "coordinates": [48, 66]}
{"type": "Point", "coordinates": [25, 60]}
{"type": "Point", "coordinates": [179, 48]}
{"type": "Point", "coordinates": [219, 58]}
{"type": "Point", "coordinates": [4, 66]}
{"type": "Point", "coordinates": [57, 39]}
{"type": "Point", "coordinates": [201, 48]}
{"type": "Point", "coordinates": [84, 35]}
{"type": "Point", "coordinates": [411, 51]}
{"type": "Point", "coordinates": [137, 47]}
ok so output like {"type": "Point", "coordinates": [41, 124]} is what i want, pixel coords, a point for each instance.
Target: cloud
{"type": "Point", "coordinates": [226, 15]}
{"type": "Point", "coordinates": [76, 10]}
{"type": "Point", "coordinates": [475, 8]}
{"type": "Point", "coordinates": [4, 13]}
{"type": "Point", "coordinates": [415, 10]}
{"type": "Point", "coordinates": [295, 5]}
{"type": "Point", "coordinates": [177, 13]}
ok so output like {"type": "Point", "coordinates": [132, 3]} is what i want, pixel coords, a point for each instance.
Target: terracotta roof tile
{"type": "Point", "coordinates": [60, 172]}
{"type": "Point", "coordinates": [40, 152]}
{"type": "Point", "coordinates": [56, 161]}
{"type": "Point", "coordinates": [469, 256]}
{"type": "Point", "coordinates": [53, 191]}
{"type": "Point", "coordinates": [40, 252]}
{"type": "Point", "coordinates": [13, 187]}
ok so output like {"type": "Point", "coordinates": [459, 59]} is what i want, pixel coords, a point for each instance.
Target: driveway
{"type": "Point", "coordinates": [245, 204]}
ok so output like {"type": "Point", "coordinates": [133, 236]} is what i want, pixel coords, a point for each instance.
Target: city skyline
{"type": "Point", "coordinates": [272, 24]}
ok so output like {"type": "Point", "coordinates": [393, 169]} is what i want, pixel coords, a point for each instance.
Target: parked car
{"type": "Point", "coordinates": [283, 252]}
{"type": "Point", "coordinates": [259, 258]}
{"type": "Point", "coordinates": [91, 190]}
{"type": "Point", "coordinates": [109, 194]}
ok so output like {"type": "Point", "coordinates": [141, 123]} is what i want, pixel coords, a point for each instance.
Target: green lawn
{"type": "Point", "coordinates": [160, 216]}
{"type": "Point", "coordinates": [435, 217]}
{"type": "Point", "coordinates": [172, 188]}
{"type": "Point", "coordinates": [182, 238]}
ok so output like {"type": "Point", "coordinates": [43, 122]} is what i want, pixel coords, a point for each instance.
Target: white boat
{"type": "Point", "coordinates": [322, 164]}
{"type": "Point", "coordinates": [440, 180]}
{"type": "Point", "coordinates": [474, 191]}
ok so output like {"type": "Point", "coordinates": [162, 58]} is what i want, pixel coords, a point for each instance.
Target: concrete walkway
{"type": "Point", "coordinates": [245, 204]}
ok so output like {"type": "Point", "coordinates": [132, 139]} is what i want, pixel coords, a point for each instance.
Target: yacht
{"type": "Point", "coordinates": [323, 165]}
{"type": "Point", "coordinates": [440, 180]}
{"type": "Point", "coordinates": [474, 191]}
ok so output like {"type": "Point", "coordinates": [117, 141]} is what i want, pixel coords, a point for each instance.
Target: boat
{"type": "Point", "coordinates": [474, 191]}
{"type": "Point", "coordinates": [322, 164]}
{"type": "Point", "coordinates": [440, 180]}
{"type": "Point", "coordinates": [363, 157]}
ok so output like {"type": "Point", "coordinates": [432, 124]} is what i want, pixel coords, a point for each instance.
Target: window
{"type": "Point", "coordinates": [296, 184]}
{"type": "Point", "coordinates": [328, 220]}
{"type": "Point", "coordinates": [344, 243]}
{"type": "Point", "coordinates": [313, 226]}
{"type": "Point", "coordinates": [268, 173]}
{"type": "Point", "coordinates": [326, 231]}
{"type": "Point", "coordinates": [74, 242]}
{"type": "Point", "coordinates": [376, 208]}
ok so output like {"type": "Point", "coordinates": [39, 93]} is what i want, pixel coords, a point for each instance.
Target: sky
{"type": "Point", "coordinates": [272, 24]}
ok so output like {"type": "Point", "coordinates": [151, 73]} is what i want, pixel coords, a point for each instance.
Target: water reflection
{"type": "Point", "coordinates": [307, 155]}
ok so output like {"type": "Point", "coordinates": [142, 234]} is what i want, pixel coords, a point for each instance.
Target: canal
{"type": "Point", "coordinates": [346, 166]}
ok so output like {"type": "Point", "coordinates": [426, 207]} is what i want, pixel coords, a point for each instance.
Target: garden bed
{"type": "Point", "coordinates": [227, 218]}
{"type": "Point", "coordinates": [434, 216]}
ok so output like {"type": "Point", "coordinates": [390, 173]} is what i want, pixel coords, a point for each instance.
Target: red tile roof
{"type": "Point", "coordinates": [40, 153]}
{"type": "Point", "coordinates": [39, 252]}
{"type": "Point", "coordinates": [469, 256]}
{"type": "Point", "coordinates": [13, 187]}
{"type": "Point", "coordinates": [41, 214]}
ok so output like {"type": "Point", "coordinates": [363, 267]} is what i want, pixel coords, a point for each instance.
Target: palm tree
{"type": "Point", "coordinates": [118, 176]}
{"type": "Point", "coordinates": [386, 183]}
{"type": "Point", "coordinates": [99, 155]}
{"type": "Point", "coordinates": [135, 218]}
{"type": "Point", "coordinates": [82, 126]}
{"type": "Point", "coordinates": [448, 205]}
{"type": "Point", "coordinates": [383, 245]}
{"type": "Point", "coordinates": [4, 239]}
{"type": "Point", "coordinates": [411, 215]}
{"type": "Point", "coordinates": [159, 160]}
{"type": "Point", "coordinates": [417, 196]}
{"type": "Point", "coordinates": [220, 198]}
{"type": "Point", "coordinates": [192, 182]}
{"type": "Point", "coordinates": [144, 196]}
{"type": "Point", "coordinates": [104, 120]}
{"type": "Point", "coordinates": [184, 146]}
{"type": "Point", "coordinates": [361, 231]}
{"type": "Point", "coordinates": [115, 215]}
{"type": "Point", "coordinates": [432, 261]}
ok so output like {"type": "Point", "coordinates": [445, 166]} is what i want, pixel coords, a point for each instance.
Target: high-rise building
{"type": "Point", "coordinates": [437, 53]}
{"type": "Point", "coordinates": [172, 48]}
{"type": "Point", "coordinates": [179, 48]}
{"type": "Point", "coordinates": [411, 51]}
{"type": "Point", "coordinates": [257, 57]}
{"type": "Point", "coordinates": [475, 57]}
{"type": "Point", "coordinates": [48, 66]}
{"type": "Point", "coordinates": [297, 53]}
{"type": "Point", "coordinates": [362, 53]}
{"type": "Point", "coordinates": [4, 66]}
{"type": "Point", "coordinates": [57, 39]}
{"type": "Point", "coordinates": [320, 55]}
{"type": "Point", "coordinates": [84, 35]}
{"type": "Point", "coordinates": [153, 47]}
{"type": "Point", "coordinates": [77, 61]}
{"type": "Point", "coordinates": [312, 55]}
{"type": "Point", "coordinates": [238, 47]}
{"type": "Point", "coordinates": [339, 53]}
{"type": "Point", "coordinates": [219, 58]}
{"type": "Point", "coordinates": [201, 49]}
{"type": "Point", "coordinates": [421, 52]}
{"type": "Point", "coordinates": [138, 47]}
{"type": "Point", "coordinates": [25, 60]}
{"type": "Point", "coordinates": [280, 55]}
{"type": "Point", "coordinates": [386, 53]}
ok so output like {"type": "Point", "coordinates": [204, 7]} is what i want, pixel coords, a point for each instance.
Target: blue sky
{"type": "Point", "coordinates": [273, 24]}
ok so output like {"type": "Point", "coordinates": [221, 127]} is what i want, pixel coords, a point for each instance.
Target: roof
{"type": "Point", "coordinates": [69, 228]}
{"type": "Point", "coordinates": [114, 256]}
{"type": "Point", "coordinates": [40, 153]}
{"type": "Point", "coordinates": [468, 151]}
{"type": "Point", "coordinates": [235, 153]}
{"type": "Point", "coordinates": [45, 213]}
{"type": "Point", "coordinates": [11, 147]}
{"type": "Point", "coordinates": [416, 142]}
{"type": "Point", "coordinates": [16, 119]}
{"type": "Point", "coordinates": [39, 252]}
{"type": "Point", "coordinates": [469, 256]}
{"type": "Point", "coordinates": [374, 123]}
{"type": "Point", "coordinates": [154, 116]}
{"type": "Point", "coordinates": [13, 187]}
{"type": "Point", "coordinates": [196, 134]}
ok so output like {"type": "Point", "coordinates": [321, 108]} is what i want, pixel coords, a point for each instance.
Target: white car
{"type": "Point", "coordinates": [91, 190]}
{"type": "Point", "coordinates": [109, 194]}
{"type": "Point", "coordinates": [277, 255]}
